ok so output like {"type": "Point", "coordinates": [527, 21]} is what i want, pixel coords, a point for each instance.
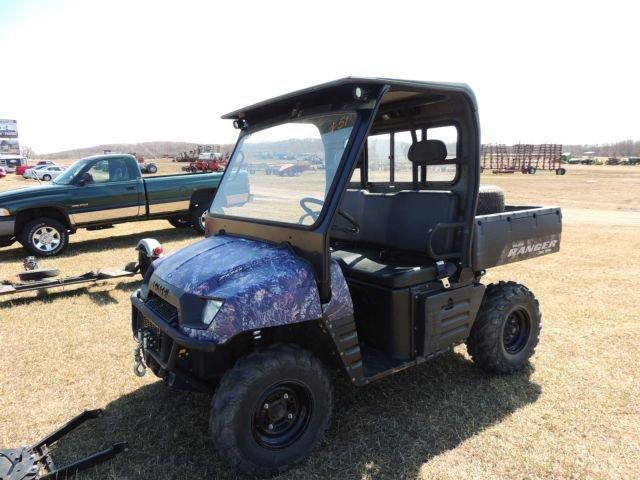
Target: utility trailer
{"type": "Point", "coordinates": [366, 274]}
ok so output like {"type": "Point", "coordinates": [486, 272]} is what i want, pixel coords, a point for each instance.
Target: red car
{"type": "Point", "coordinates": [3, 172]}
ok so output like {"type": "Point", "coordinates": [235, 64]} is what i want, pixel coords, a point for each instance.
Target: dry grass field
{"type": "Point", "coordinates": [574, 414]}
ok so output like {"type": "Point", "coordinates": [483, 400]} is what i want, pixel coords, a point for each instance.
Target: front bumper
{"type": "Point", "coordinates": [140, 308]}
{"type": "Point", "coordinates": [7, 231]}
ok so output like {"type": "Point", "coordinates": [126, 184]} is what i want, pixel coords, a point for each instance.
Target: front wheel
{"type": "Point", "coordinates": [44, 237]}
{"type": "Point", "coordinates": [271, 409]}
{"type": "Point", "coordinates": [46, 178]}
{"type": "Point", "coordinates": [506, 331]}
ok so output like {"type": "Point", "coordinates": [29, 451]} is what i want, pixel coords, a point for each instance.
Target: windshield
{"type": "Point", "coordinates": [287, 169]}
{"type": "Point", "coordinates": [67, 177]}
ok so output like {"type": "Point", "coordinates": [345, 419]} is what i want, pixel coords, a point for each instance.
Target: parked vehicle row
{"type": "Point", "coordinates": [11, 162]}
{"type": "Point", "coordinates": [44, 172]}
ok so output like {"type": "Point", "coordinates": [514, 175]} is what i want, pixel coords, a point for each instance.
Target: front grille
{"type": "Point", "coordinates": [146, 324]}
{"type": "Point", "coordinates": [163, 309]}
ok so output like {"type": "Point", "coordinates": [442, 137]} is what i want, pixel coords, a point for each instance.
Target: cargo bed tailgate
{"type": "Point", "coordinates": [520, 233]}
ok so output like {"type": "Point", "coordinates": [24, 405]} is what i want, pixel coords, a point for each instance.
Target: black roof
{"type": "Point", "coordinates": [327, 90]}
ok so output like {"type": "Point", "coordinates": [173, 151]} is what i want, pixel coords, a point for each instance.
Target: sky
{"type": "Point", "coordinates": [82, 73]}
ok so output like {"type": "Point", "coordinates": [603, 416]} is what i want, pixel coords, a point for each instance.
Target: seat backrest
{"type": "Point", "coordinates": [399, 220]}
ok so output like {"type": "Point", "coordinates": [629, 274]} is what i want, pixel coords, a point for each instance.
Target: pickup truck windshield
{"type": "Point", "coordinates": [289, 167]}
{"type": "Point", "coordinates": [68, 176]}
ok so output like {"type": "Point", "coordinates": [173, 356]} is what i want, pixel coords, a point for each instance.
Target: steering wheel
{"type": "Point", "coordinates": [355, 227]}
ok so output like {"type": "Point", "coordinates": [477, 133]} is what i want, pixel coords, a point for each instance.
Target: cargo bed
{"type": "Point", "coordinates": [520, 233]}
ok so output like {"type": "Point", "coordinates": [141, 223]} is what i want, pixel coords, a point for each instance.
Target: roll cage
{"type": "Point", "coordinates": [383, 106]}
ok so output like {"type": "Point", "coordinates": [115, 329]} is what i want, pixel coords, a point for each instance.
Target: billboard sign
{"type": "Point", "coordinates": [8, 128]}
{"type": "Point", "coordinates": [9, 146]}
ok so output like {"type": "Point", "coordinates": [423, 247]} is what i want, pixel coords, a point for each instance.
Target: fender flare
{"type": "Point", "coordinates": [30, 211]}
{"type": "Point", "coordinates": [148, 245]}
{"type": "Point", "coordinates": [146, 249]}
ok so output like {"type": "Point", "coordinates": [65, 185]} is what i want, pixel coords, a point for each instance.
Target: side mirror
{"type": "Point", "coordinates": [85, 179]}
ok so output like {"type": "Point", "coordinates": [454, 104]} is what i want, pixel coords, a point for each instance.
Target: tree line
{"type": "Point", "coordinates": [625, 148]}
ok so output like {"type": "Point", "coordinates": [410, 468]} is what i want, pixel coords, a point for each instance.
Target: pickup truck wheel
{"type": "Point", "coordinates": [490, 200]}
{"type": "Point", "coordinates": [179, 222]}
{"type": "Point", "coordinates": [271, 409]}
{"type": "Point", "coordinates": [198, 217]}
{"type": "Point", "coordinates": [45, 237]}
{"type": "Point", "coordinates": [507, 328]}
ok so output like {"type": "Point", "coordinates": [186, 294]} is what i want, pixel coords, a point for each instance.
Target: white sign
{"type": "Point", "coordinates": [8, 128]}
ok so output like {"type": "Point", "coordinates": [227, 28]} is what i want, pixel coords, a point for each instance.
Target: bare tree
{"type": "Point", "coordinates": [27, 151]}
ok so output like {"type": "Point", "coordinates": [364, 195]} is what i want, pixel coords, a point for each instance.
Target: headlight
{"type": "Point", "coordinates": [4, 212]}
{"type": "Point", "coordinates": [210, 310]}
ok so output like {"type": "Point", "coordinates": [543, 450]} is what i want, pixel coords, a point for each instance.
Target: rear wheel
{"type": "Point", "coordinates": [198, 217]}
{"type": "Point", "coordinates": [46, 178]}
{"type": "Point", "coordinates": [271, 409]}
{"type": "Point", "coordinates": [45, 237]}
{"type": "Point", "coordinates": [179, 222]}
{"type": "Point", "coordinates": [506, 331]}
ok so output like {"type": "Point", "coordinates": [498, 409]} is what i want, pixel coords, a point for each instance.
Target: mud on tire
{"type": "Point", "coordinates": [260, 441]}
{"type": "Point", "coordinates": [506, 331]}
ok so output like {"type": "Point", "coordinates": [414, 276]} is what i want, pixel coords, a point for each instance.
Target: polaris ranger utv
{"type": "Point", "coordinates": [370, 265]}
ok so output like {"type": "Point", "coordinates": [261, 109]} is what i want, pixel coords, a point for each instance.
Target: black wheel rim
{"type": "Point", "coordinates": [282, 415]}
{"type": "Point", "coordinates": [516, 331]}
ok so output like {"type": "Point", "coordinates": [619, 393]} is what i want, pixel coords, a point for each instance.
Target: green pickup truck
{"type": "Point", "coordinates": [97, 192]}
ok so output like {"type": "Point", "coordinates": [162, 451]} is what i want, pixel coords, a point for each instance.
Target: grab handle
{"type": "Point", "coordinates": [432, 231]}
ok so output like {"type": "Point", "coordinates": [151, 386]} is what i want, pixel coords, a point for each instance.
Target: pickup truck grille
{"type": "Point", "coordinates": [165, 310]}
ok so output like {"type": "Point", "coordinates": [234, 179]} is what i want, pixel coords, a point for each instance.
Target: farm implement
{"type": "Point", "coordinates": [35, 463]}
{"type": "Point", "coordinates": [35, 278]}
{"type": "Point", "coordinates": [524, 158]}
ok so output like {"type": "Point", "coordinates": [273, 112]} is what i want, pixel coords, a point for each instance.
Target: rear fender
{"type": "Point", "coordinates": [148, 246]}
{"type": "Point", "coordinates": [149, 250]}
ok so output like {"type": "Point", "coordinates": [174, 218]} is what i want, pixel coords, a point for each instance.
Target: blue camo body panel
{"type": "Point", "coordinates": [263, 285]}
{"type": "Point", "coordinates": [340, 305]}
